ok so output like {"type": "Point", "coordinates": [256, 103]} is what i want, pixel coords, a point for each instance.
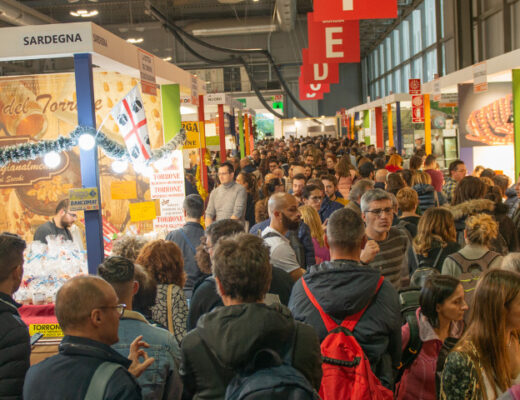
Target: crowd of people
{"type": "Point", "coordinates": [310, 257]}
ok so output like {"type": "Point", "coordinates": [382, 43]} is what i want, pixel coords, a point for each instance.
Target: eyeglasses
{"type": "Point", "coordinates": [380, 211]}
{"type": "Point", "coordinates": [223, 173]}
{"type": "Point", "coordinates": [120, 308]}
{"type": "Point", "coordinates": [316, 198]}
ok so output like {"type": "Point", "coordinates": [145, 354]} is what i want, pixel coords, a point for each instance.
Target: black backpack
{"type": "Point", "coordinates": [295, 243]}
{"type": "Point", "coordinates": [269, 376]}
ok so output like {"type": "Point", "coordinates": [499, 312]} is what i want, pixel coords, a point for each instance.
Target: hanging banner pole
{"type": "Point", "coordinates": [222, 133]}
{"type": "Point", "coordinates": [379, 128]}
{"type": "Point", "coordinates": [241, 134]}
{"type": "Point", "coordinates": [399, 128]}
{"type": "Point", "coordinates": [427, 125]}
{"type": "Point", "coordinates": [246, 134]}
{"type": "Point", "coordinates": [390, 119]}
{"type": "Point", "coordinates": [89, 159]}
{"type": "Point", "coordinates": [202, 140]}
{"type": "Point", "coordinates": [516, 117]}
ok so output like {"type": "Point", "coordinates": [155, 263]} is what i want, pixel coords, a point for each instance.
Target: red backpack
{"type": "Point", "coordinates": [346, 369]}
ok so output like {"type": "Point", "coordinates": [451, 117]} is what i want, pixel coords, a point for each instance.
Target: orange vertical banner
{"type": "Point", "coordinates": [427, 125]}
{"type": "Point", "coordinates": [390, 119]}
{"type": "Point", "coordinates": [379, 128]}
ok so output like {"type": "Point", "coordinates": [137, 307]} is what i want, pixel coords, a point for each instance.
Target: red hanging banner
{"type": "Point", "coordinates": [333, 41]}
{"type": "Point", "coordinates": [318, 72]}
{"type": "Point", "coordinates": [312, 91]}
{"type": "Point", "coordinates": [326, 10]}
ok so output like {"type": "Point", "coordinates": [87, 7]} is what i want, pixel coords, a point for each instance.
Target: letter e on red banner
{"type": "Point", "coordinates": [326, 10]}
{"type": "Point", "coordinates": [333, 41]}
{"type": "Point", "coordinates": [318, 72]}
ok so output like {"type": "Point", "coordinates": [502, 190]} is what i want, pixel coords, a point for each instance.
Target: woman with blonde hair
{"type": "Point", "coordinates": [481, 229]}
{"type": "Point", "coordinates": [486, 360]}
{"type": "Point", "coordinates": [312, 219]}
{"type": "Point", "coordinates": [436, 239]}
{"type": "Point", "coordinates": [422, 184]}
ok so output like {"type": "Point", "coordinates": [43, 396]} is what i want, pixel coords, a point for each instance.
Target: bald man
{"type": "Point", "coordinates": [284, 216]}
{"type": "Point", "coordinates": [381, 178]}
{"type": "Point", "coordinates": [88, 312]}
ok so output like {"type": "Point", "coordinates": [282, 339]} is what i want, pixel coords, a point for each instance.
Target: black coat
{"type": "Point", "coordinates": [67, 375]}
{"type": "Point", "coordinates": [227, 338]}
{"type": "Point", "coordinates": [15, 349]}
{"type": "Point", "coordinates": [343, 288]}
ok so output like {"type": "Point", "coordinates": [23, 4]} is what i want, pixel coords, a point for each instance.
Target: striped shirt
{"type": "Point", "coordinates": [392, 258]}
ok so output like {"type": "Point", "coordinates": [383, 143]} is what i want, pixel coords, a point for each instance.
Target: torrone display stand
{"type": "Point", "coordinates": [90, 45]}
{"type": "Point", "coordinates": [92, 48]}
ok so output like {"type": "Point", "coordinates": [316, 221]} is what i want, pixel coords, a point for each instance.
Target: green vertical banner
{"type": "Point", "coordinates": [171, 111]}
{"type": "Point", "coordinates": [241, 134]}
{"type": "Point", "coordinates": [366, 119]}
{"type": "Point", "coordinates": [516, 117]}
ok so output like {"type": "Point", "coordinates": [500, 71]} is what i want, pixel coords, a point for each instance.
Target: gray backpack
{"type": "Point", "coordinates": [98, 383]}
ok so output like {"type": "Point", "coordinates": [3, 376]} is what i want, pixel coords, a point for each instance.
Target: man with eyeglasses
{"type": "Point", "coordinates": [228, 200]}
{"type": "Point", "coordinates": [59, 224]}
{"type": "Point", "coordinates": [163, 381]}
{"type": "Point", "coordinates": [314, 196]}
{"type": "Point", "coordinates": [88, 311]}
{"type": "Point", "coordinates": [387, 246]}
{"type": "Point", "coordinates": [457, 171]}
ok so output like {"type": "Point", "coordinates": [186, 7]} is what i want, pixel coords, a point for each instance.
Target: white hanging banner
{"type": "Point", "coordinates": [130, 117]}
{"type": "Point", "coordinates": [480, 82]}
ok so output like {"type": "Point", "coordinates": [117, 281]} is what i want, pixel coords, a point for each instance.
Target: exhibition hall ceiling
{"type": "Point", "coordinates": [116, 15]}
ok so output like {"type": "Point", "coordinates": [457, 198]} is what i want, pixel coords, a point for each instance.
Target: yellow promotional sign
{"type": "Point", "coordinates": [144, 211]}
{"type": "Point", "coordinates": [192, 135]}
{"type": "Point", "coordinates": [48, 330]}
{"type": "Point", "coordinates": [85, 199]}
{"type": "Point", "coordinates": [123, 190]}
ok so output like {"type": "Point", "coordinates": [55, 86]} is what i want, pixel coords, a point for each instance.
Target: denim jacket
{"type": "Point", "coordinates": [161, 380]}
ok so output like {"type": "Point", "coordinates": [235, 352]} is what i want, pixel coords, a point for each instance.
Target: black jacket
{"type": "Point", "coordinates": [343, 288]}
{"type": "Point", "coordinates": [70, 372]}
{"type": "Point", "coordinates": [15, 349]}
{"type": "Point", "coordinates": [226, 339]}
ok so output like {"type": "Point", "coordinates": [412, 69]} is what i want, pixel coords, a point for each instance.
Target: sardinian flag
{"type": "Point", "coordinates": [131, 119]}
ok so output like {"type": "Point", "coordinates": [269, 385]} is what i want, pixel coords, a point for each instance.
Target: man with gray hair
{"type": "Point", "coordinates": [356, 192]}
{"type": "Point", "coordinates": [188, 239]}
{"type": "Point", "coordinates": [343, 287]}
{"type": "Point", "coordinates": [387, 246]}
{"type": "Point", "coordinates": [284, 216]}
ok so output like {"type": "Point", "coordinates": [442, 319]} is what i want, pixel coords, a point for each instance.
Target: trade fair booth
{"type": "Point", "coordinates": [107, 136]}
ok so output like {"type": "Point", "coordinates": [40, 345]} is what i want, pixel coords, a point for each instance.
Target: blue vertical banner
{"type": "Point", "coordinates": [399, 138]}
{"type": "Point", "coordinates": [89, 158]}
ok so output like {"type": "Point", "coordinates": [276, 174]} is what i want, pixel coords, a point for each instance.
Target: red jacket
{"type": "Point", "coordinates": [418, 381]}
{"type": "Point", "coordinates": [393, 168]}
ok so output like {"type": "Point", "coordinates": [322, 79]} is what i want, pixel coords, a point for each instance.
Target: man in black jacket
{"type": "Point", "coordinates": [15, 349]}
{"type": "Point", "coordinates": [88, 312]}
{"type": "Point", "coordinates": [226, 339]}
{"type": "Point", "coordinates": [343, 287]}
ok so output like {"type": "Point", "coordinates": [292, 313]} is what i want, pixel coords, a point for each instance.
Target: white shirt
{"type": "Point", "coordinates": [282, 254]}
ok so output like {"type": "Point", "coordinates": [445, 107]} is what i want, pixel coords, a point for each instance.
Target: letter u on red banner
{"type": "Point", "coordinates": [347, 10]}
{"type": "Point", "coordinates": [318, 72]}
{"type": "Point", "coordinates": [333, 41]}
{"type": "Point", "coordinates": [312, 91]}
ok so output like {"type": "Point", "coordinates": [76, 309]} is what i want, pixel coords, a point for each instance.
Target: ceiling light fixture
{"type": "Point", "coordinates": [167, 58]}
{"type": "Point", "coordinates": [84, 13]}
{"type": "Point", "coordinates": [135, 40]}
{"type": "Point", "coordinates": [235, 30]}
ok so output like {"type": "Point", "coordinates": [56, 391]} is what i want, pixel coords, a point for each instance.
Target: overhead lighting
{"type": "Point", "coordinates": [235, 30]}
{"type": "Point", "coordinates": [167, 58]}
{"type": "Point", "coordinates": [84, 13]}
{"type": "Point", "coordinates": [52, 159]}
{"type": "Point", "coordinates": [135, 40]}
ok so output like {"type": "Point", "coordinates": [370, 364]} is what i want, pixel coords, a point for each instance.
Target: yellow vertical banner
{"type": "Point", "coordinates": [427, 125]}
{"type": "Point", "coordinates": [390, 119]}
{"type": "Point", "coordinates": [246, 125]}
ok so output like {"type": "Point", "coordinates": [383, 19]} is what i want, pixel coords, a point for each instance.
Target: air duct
{"type": "Point", "coordinates": [286, 14]}
{"type": "Point", "coordinates": [15, 13]}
